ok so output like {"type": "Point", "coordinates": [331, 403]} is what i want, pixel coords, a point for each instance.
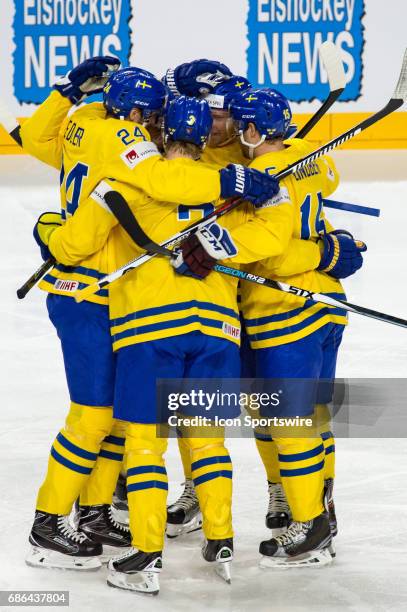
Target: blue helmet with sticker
{"type": "Point", "coordinates": [188, 120]}
{"type": "Point", "coordinates": [268, 109]}
{"type": "Point", "coordinates": [223, 94]}
{"type": "Point", "coordinates": [133, 88]}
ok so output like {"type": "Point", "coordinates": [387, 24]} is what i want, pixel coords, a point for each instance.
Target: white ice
{"type": "Point", "coordinates": [371, 566]}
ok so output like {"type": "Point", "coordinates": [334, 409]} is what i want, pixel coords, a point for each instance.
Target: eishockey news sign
{"type": "Point", "coordinates": [53, 36]}
{"type": "Point", "coordinates": [284, 38]}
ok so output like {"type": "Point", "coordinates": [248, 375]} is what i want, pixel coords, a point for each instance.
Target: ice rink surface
{"type": "Point", "coordinates": [371, 487]}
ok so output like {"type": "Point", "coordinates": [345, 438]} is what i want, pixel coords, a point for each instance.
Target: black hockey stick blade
{"type": "Point", "coordinates": [330, 55]}
{"type": "Point", "coordinates": [10, 123]}
{"type": "Point", "coordinates": [123, 213]}
{"type": "Point", "coordinates": [33, 280]}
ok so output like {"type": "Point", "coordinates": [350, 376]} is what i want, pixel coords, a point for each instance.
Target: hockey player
{"type": "Point", "coordinates": [184, 515]}
{"type": "Point", "coordinates": [87, 453]}
{"type": "Point", "coordinates": [292, 339]}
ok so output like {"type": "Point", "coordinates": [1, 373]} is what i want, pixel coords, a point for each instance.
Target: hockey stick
{"type": "Point", "coordinates": [12, 127]}
{"type": "Point", "coordinates": [10, 123]}
{"type": "Point", "coordinates": [355, 208]}
{"type": "Point", "coordinates": [333, 64]}
{"type": "Point", "coordinates": [395, 102]}
{"type": "Point", "coordinates": [33, 280]}
{"type": "Point", "coordinates": [128, 221]}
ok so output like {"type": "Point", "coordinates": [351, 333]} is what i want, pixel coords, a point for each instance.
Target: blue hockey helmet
{"type": "Point", "coordinates": [223, 94]}
{"type": "Point", "coordinates": [133, 88]}
{"type": "Point", "coordinates": [188, 120]}
{"type": "Point", "coordinates": [268, 109]}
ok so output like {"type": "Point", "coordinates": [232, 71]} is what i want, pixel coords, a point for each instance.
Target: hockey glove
{"type": "Point", "coordinates": [196, 78]}
{"type": "Point", "coordinates": [46, 224]}
{"type": "Point", "coordinates": [248, 183]}
{"type": "Point", "coordinates": [87, 78]}
{"type": "Point", "coordinates": [342, 254]}
{"type": "Point", "coordinates": [198, 254]}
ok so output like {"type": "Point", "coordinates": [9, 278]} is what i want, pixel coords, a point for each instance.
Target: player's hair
{"type": "Point", "coordinates": [186, 149]}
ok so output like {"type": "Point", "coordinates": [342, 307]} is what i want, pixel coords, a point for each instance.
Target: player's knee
{"type": "Point", "coordinates": [119, 428]}
{"type": "Point", "coordinates": [143, 439]}
{"type": "Point", "coordinates": [89, 421]}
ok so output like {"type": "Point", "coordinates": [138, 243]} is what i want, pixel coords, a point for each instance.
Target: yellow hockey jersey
{"type": "Point", "coordinates": [87, 146]}
{"type": "Point", "coordinates": [153, 301]}
{"type": "Point", "coordinates": [273, 317]}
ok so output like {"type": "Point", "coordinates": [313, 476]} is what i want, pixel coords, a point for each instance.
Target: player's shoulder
{"type": "Point", "coordinates": [93, 112]}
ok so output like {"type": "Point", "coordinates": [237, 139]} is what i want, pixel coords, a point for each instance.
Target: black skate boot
{"type": "Point", "coordinates": [54, 543]}
{"type": "Point", "coordinates": [136, 571]}
{"type": "Point", "coordinates": [300, 545]}
{"type": "Point", "coordinates": [278, 515]}
{"type": "Point", "coordinates": [99, 525]}
{"type": "Point", "coordinates": [221, 553]}
{"type": "Point", "coordinates": [120, 505]}
{"type": "Point", "coordinates": [184, 515]}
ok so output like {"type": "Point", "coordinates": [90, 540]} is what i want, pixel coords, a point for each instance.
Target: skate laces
{"type": "Point", "coordinates": [115, 523]}
{"type": "Point", "coordinates": [187, 499]}
{"type": "Point", "coordinates": [68, 531]}
{"type": "Point", "coordinates": [277, 501]}
{"type": "Point", "coordinates": [293, 533]}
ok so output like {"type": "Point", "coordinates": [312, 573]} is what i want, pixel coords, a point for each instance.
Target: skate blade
{"type": "Point", "coordinates": [332, 550]}
{"type": "Point", "coordinates": [111, 553]}
{"type": "Point", "coordinates": [146, 583]}
{"type": "Point", "coordinates": [314, 559]}
{"type": "Point", "coordinates": [174, 531]}
{"type": "Point", "coordinates": [121, 516]}
{"type": "Point", "coordinates": [223, 570]}
{"type": "Point", "coordinates": [52, 559]}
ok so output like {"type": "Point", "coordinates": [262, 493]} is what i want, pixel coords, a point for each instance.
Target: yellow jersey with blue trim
{"type": "Point", "coordinates": [154, 302]}
{"type": "Point", "coordinates": [273, 317]}
{"type": "Point", "coordinates": [87, 145]}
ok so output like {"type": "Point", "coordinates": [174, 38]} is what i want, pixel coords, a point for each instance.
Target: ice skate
{"type": "Point", "coordinates": [55, 544]}
{"type": "Point", "coordinates": [278, 515]}
{"type": "Point", "coordinates": [184, 516]}
{"type": "Point", "coordinates": [330, 508]}
{"type": "Point", "coordinates": [220, 552]}
{"type": "Point", "coordinates": [120, 506]}
{"type": "Point", "coordinates": [100, 526]}
{"type": "Point", "coordinates": [300, 545]}
{"type": "Point", "coordinates": [136, 571]}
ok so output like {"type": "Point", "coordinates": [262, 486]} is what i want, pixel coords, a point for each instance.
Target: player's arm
{"type": "Point", "coordinates": [179, 180]}
{"type": "Point", "coordinates": [263, 234]}
{"type": "Point", "coordinates": [40, 134]}
{"type": "Point", "coordinates": [300, 256]}
{"type": "Point", "coordinates": [80, 236]}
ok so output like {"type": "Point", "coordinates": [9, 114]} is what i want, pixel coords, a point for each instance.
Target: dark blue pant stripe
{"type": "Point", "coordinates": [68, 464]}
{"type": "Point", "coordinates": [210, 461]}
{"type": "Point", "coordinates": [302, 471]}
{"type": "Point", "coordinates": [109, 455]}
{"type": "Point", "coordinates": [301, 456]}
{"type": "Point", "coordinates": [114, 440]}
{"type": "Point", "coordinates": [330, 449]}
{"type": "Point", "coordinates": [76, 450]}
{"type": "Point", "coordinates": [263, 437]}
{"type": "Point", "coordinates": [326, 435]}
{"type": "Point", "coordinates": [149, 484]}
{"type": "Point", "coordinates": [212, 475]}
{"type": "Point", "coordinates": [146, 469]}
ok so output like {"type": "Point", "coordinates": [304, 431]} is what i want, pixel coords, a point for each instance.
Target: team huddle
{"type": "Point", "coordinates": [175, 150]}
